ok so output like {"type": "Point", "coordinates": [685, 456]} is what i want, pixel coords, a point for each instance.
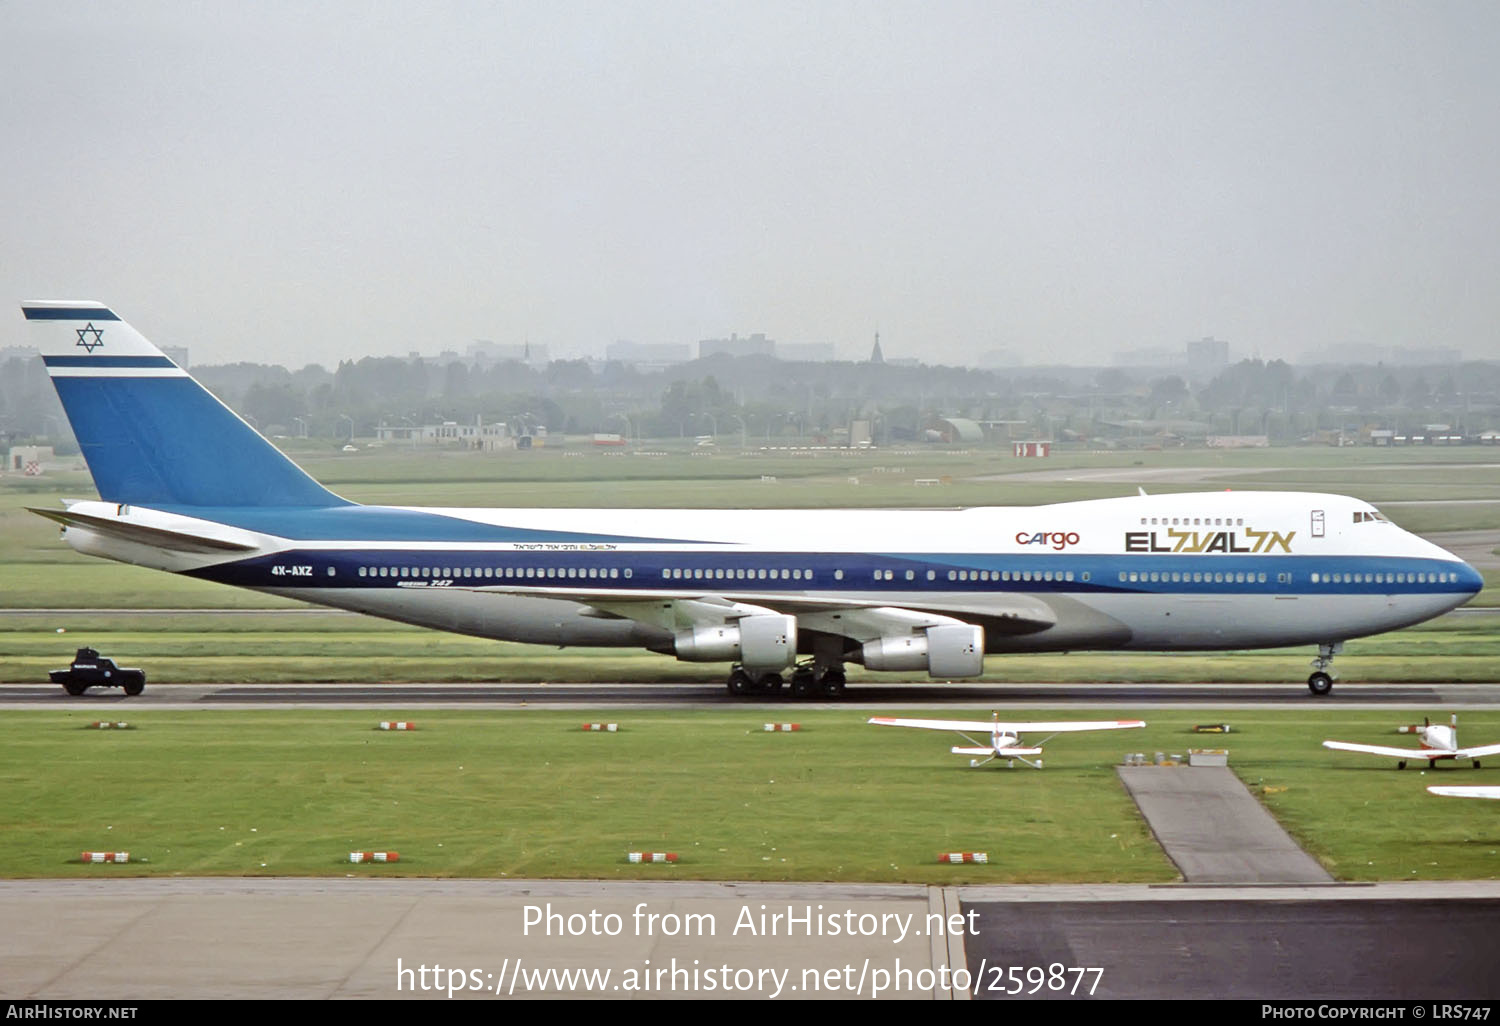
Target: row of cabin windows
{"type": "Point", "coordinates": [1247, 577]}
{"type": "Point", "coordinates": [1384, 578]}
{"type": "Point", "coordinates": [1193, 521]}
{"type": "Point", "coordinates": [1012, 575]}
{"type": "Point", "coordinates": [696, 574]}
{"type": "Point", "coordinates": [507, 572]}
{"type": "Point", "coordinates": [1198, 577]}
{"type": "Point", "coordinates": [679, 574]}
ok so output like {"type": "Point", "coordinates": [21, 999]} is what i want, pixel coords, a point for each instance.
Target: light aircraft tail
{"type": "Point", "coordinates": [152, 435]}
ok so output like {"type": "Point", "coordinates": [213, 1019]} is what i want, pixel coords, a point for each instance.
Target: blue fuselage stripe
{"type": "Point", "coordinates": [853, 572]}
{"type": "Point", "coordinates": [107, 361]}
{"type": "Point", "coordinates": [68, 313]}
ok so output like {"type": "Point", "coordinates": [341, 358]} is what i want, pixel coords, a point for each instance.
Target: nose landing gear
{"type": "Point", "coordinates": [1321, 681]}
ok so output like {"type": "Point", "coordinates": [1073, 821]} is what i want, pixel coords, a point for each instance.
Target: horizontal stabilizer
{"type": "Point", "coordinates": [176, 541]}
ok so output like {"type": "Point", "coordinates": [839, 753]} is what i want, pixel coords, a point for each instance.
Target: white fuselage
{"type": "Point", "coordinates": [1207, 570]}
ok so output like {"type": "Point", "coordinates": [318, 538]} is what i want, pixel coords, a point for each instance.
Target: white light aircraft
{"type": "Point", "coordinates": [187, 487]}
{"type": "Point", "coordinates": [1438, 743]}
{"type": "Point", "coordinates": [1466, 792]}
{"type": "Point", "coordinates": [1005, 737]}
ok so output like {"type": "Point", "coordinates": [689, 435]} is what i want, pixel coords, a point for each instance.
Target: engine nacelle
{"type": "Point", "coordinates": [765, 642]}
{"type": "Point", "coordinates": [955, 650]}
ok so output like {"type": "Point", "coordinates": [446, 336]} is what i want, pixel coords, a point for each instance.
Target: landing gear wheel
{"type": "Point", "coordinates": [740, 682]}
{"type": "Point", "coordinates": [1321, 682]}
{"type": "Point", "coordinates": [832, 683]}
{"type": "Point", "coordinates": [1401, 765]}
{"type": "Point", "coordinates": [804, 684]}
{"type": "Point", "coordinates": [769, 682]}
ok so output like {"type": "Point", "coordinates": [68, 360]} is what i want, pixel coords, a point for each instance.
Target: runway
{"type": "Point", "coordinates": [609, 696]}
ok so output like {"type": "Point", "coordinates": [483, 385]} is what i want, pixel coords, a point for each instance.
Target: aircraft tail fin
{"type": "Point", "coordinates": [152, 436]}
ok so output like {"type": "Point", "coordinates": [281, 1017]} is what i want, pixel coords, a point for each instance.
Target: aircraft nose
{"type": "Point", "coordinates": [1469, 579]}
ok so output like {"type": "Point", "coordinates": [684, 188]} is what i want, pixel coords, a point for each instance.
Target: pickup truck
{"type": "Point", "coordinates": [91, 670]}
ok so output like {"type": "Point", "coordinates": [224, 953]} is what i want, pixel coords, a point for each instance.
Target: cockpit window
{"type": "Point", "coordinates": [1369, 516]}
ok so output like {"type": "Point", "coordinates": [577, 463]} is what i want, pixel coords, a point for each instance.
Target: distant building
{"type": "Point", "coordinates": [19, 353]}
{"type": "Point", "coordinates": [484, 353]}
{"type": "Point", "coordinates": [806, 352]}
{"type": "Point", "coordinates": [478, 435]}
{"type": "Point", "coordinates": [876, 356]}
{"type": "Point", "coordinates": [1147, 358]}
{"type": "Point", "coordinates": [999, 359]}
{"type": "Point", "coordinates": [177, 354]}
{"type": "Point", "coordinates": [31, 459]}
{"type": "Point", "coordinates": [625, 351]}
{"type": "Point", "coordinates": [953, 429]}
{"type": "Point", "coordinates": [754, 345]}
{"type": "Point", "coordinates": [1206, 358]}
{"type": "Point", "coordinates": [1400, 356]}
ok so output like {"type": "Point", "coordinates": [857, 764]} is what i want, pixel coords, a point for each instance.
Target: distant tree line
{"type": "Point", "coordinates": [763, 399]}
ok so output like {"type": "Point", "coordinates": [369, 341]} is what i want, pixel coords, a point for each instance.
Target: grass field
{"type": "Point", "coordinates": [204, 648]}
{"type": "Point", "coordinates": [527, 793]}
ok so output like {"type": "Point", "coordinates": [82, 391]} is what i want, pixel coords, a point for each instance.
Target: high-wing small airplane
{"type": "Point", "coordinates": [1439, 742]}
{"type": "Point", "coordinates": [1005, 736]}
{"type": "Point", "coordinates": [188, 487]}
{"type": "Point", "coordinates": [1466, 792]}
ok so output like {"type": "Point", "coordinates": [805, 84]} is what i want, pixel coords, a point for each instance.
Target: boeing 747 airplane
{"type": "Point", "coordinates": [188, 487]}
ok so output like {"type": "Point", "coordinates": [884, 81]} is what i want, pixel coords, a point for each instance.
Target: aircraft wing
{"type": "Point", "coordinates": [1394, 753]}
{"type": "Point", "coordinates": [1004, 753]}
{"type": "Point", "coordinates": [1466, 792]}
{"type": "Point", "coordinates": [1012, 727]}
{"type": "Point", "coordinates": [1477, 752]}
{"type": "Point", "coordinates": [860, 620]}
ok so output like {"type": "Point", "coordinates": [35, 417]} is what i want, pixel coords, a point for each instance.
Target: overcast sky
{"type": "Point", "coordinates": [309, 182]}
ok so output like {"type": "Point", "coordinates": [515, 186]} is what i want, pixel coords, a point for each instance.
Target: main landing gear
{"type": "Point", "coordinates": [808, 681]}
{"type": "Point", "coordinates": [1321, 681]}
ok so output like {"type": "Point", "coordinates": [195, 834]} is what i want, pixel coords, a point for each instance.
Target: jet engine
{"type": "Point", "coordinates": [943, 651]}
{"type": "Point", "coordinates": [763, 642]}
